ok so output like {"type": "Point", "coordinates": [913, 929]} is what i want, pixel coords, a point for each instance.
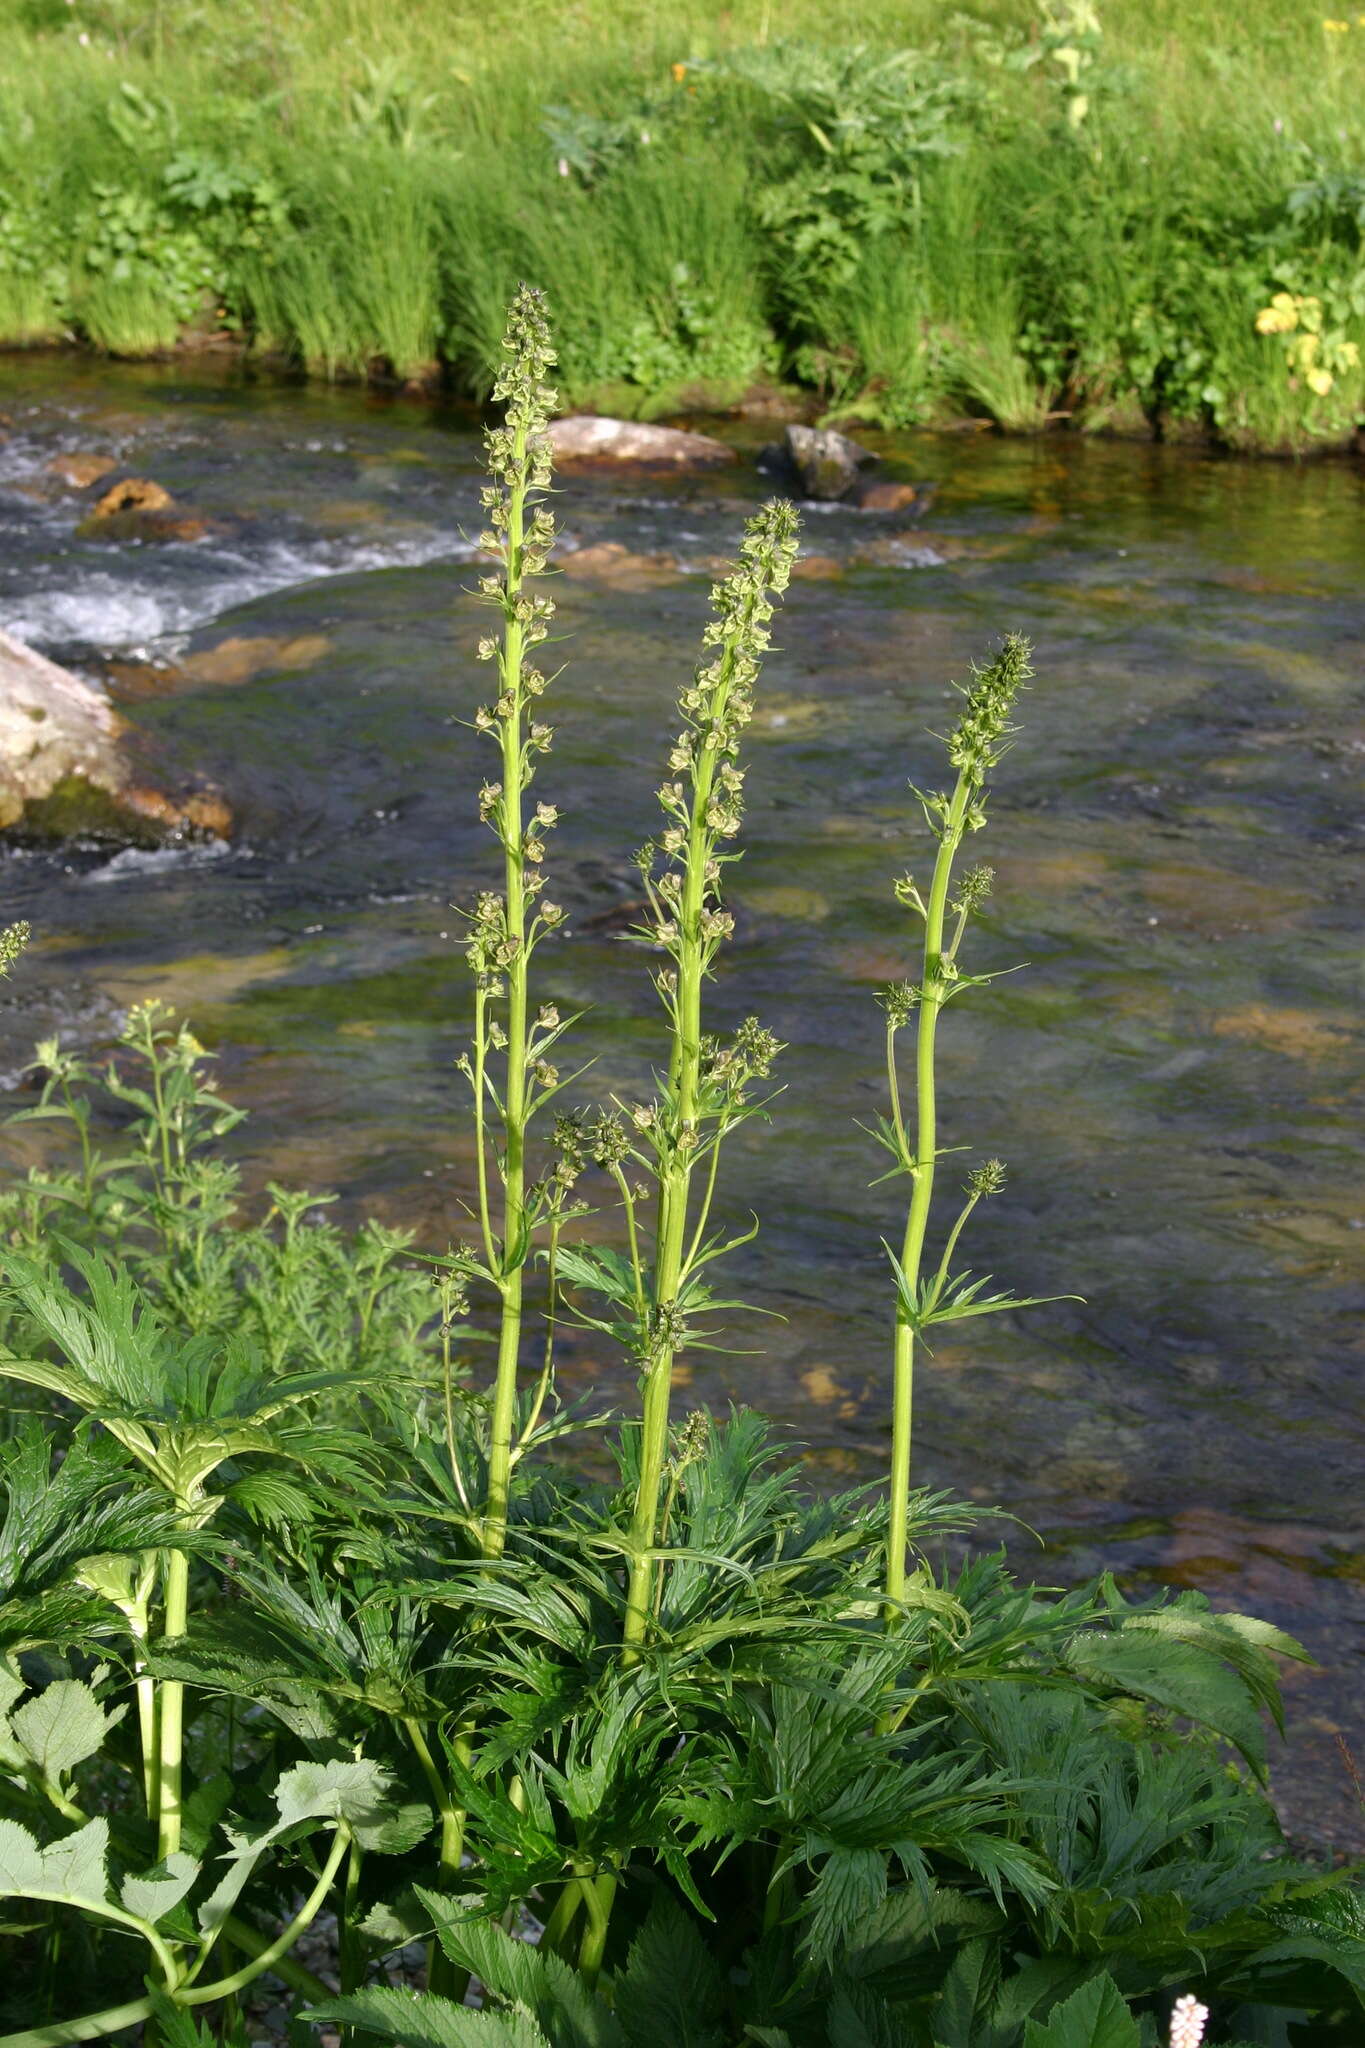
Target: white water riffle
{"type": "Point", "coordinates": [138, 600]}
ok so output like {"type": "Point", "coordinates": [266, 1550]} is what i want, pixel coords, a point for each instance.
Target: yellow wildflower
{"type": "Point", "coordinates": [1320, 381]}
{"type": "Point", "coordinates": [1281, 316]}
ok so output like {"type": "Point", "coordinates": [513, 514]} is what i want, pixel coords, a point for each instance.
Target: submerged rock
{"type": "Point", "coordinates": [66, 766]}
{"type": "Point", "coordinates": [138, 509]}
{"type": "Point", "coordinates": [81, 471]}
{"type": "Point", "coordinates": [240, 659]}
{"type": "Point", "coordinates": [889, 497]}
{"type": "Point", "coordinates": [609, 563]}
{"type": "Point", "coordinates": [584, 438]}
{"type": "Point", "coordinates": [134, 494]}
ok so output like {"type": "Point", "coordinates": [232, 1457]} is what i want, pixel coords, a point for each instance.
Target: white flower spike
{"type": "Point", "coordinates": [1188, 2022]}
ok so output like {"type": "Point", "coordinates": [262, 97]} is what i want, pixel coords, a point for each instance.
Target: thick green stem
{"type": "Point", "coordinates": [599, 1896]}
{"type": "Point", "coordinates": [170, 1715]}
{"type": "Point", "coordinates": [96, 2026]}
{"type": "Point", "coordinates": [674, 1190]}
{"type": "Point", "coordinates": [513, 1263]}
{"type": "Point", "coordinates": [562, 1916]}
{"type": "Point", "coordinates": [931, 996]}
{"type": "Point", "coordinates": [442, 1974]}
{"type": "Point", "coordinates": [350, 1951]}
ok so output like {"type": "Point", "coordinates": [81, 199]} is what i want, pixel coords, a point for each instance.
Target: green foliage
{"type": "Point", "coordinates": [1093, 2017]}
{"type": "Point", "coordinates": [294, 1619]}
{"type": "Point", "coordinates": [850, 130]}
{"type": "Point", "coordinates": [1014, 213]}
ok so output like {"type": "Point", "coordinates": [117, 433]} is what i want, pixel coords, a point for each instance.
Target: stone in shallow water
{"type": "Point", "coordinates": [585, 438]}
{"type": "Point", "coordinates": [788, 900]}
{"type": "Point", "coordinates": [81, 471]}
{"type": "Point", "coordinates": [66, 767]}
{"type": "Point", "coordinates": [609, 563]}
{"type": "Point", "coordinates": [240, 658]}
{"type": "Point", "coordinates": [134, 494]}
{"type": "Point", "coordinates": [825, 464]}
{"type": "Point", "coordinates": [1298, 1034]}
{"type": "Point", "coordinates": [889, 497]}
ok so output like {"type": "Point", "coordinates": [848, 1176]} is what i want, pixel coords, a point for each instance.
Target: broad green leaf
{"type": "Point", "coordinates": [351, 1790]}
{"type": "Point", "coordinates": [72, 1871]}
{"type": "Point", "coordinates": [671, 1987]}
{"type": "Point", "coordinates": [62, 1726]}
{"type": "Point", "coordinates": [966, 1992]}
{"type": "Point", "coordinates": [1176, 1675]}
{"type": "Point", "coordinates": [1093, 2017]}
{"type": "Point", "coordinates": [395, 1830]}
{"type": "Point", "coordinates": [392, 1923]}
{"type": "Point", "coordinates": [418, 2019]}
{"type": "Point", "coordinates": [1237, 1639]}
{"type": "Point", "coordinates": [859, 2019]}
{"type": "Point", "coordinates": [1308, 1968]}
{"type": "Point", "coordinates": [355, 1791]}
{"type": "Point", "coordinates": [161, 1890]}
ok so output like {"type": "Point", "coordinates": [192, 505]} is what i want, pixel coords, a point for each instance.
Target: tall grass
{"type": "Point", "coordinates": [360, 283]}
{"type": "Point", "coordinates": [657, 267]}
{"type": "Point", "coordinates": [1110, 271]}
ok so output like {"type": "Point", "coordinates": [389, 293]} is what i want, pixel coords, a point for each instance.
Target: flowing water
{"type": "Point", "coordinates": [1171, 1078]}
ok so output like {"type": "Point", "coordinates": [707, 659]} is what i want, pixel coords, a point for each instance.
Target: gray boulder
{"type": "Point", "coordinates": [818, 462]}
{"type": "Point", "coordinates": [67, 768]}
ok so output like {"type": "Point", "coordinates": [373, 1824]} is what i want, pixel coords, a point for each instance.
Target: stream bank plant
{"type": "Point", "coordinates": [301, 1615]}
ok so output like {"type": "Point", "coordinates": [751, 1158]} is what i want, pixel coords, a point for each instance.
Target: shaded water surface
{"type": "Point", "coordinates": [1172, 1080]}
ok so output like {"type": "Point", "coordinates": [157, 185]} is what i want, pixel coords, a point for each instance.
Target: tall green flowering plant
{"type": "Point", "coordinates": [707, 1087]}
{"type": "Point", "coordinates": [706, 1091]}
{"type": "Point", "coordinates": [509, 1070]}
{"type": "Point", "coordinates": [976, 743]}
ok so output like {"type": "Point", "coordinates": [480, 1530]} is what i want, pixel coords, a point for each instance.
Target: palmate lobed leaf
{"type": "Point", "coordinates": [1093, 2017]}
{"type": "Point", "coordinates": [351, 1790]}
{"type": "Point", "coordinates": [62, 1726]}
{"type": "Point", "coordinates": [121, 1360]}
{"type": "Point", "coordinates": [72, 1871]}
{"type": "Point", "coordinates": [160, 1890]}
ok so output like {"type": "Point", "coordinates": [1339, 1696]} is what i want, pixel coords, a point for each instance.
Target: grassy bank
{"type": "Point", "coordinates": [1145, 214]}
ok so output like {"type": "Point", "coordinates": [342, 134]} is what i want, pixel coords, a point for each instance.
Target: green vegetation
{"type": "Point", "coordinates": [1014, 211]}
{"type": "Point", "coordinates": [303, 1609]}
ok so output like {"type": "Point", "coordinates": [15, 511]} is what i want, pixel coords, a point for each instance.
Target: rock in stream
{"type": "Point", "coordinates": [68, 769]}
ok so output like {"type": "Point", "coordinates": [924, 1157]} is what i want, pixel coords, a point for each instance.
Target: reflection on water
{"type": "Point", "coordinates": [1171, 1080]}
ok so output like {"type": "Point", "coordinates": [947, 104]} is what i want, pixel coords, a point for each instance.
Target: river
{"type": "Point", "coordinates": [1171, 1078]}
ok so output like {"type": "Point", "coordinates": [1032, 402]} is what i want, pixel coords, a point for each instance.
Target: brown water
{"type": "Point", "coordinates": [1172, 1080]}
